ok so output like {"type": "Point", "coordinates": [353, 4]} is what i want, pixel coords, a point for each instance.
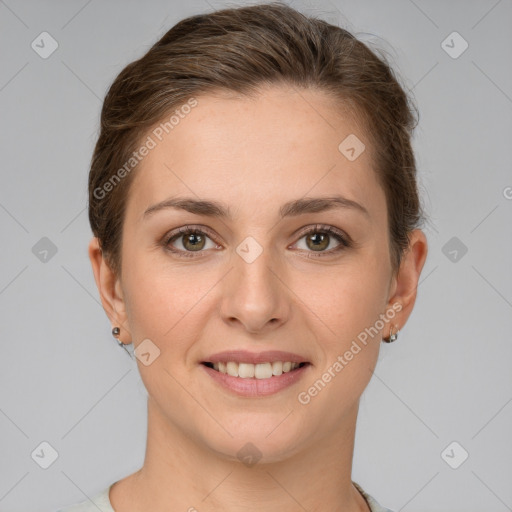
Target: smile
{"type": "Point", "coordinates": [252, 380]}
{"type": "Point", "coordinates": [258, 371]}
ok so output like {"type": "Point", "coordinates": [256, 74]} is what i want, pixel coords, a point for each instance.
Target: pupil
{"type": "Point", "coordinates": [190, 240]}
{"type": "Point", "coordinates": [319, 240]}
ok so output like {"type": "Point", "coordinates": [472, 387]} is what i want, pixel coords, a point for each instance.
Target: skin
{"type": "Point", "coordinates": [246, 153]}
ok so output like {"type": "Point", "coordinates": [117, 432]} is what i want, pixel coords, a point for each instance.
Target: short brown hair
{"type": "Point", "coordinates": [238, 50]}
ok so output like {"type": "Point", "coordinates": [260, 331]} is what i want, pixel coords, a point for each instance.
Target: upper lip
{"type": "Point", "coordinates": [244, 356]}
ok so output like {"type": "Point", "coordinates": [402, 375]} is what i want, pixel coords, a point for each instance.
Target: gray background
{"type": "Point", "coordinates": [65, 381]}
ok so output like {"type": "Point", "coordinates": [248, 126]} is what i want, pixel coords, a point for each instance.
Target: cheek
{"type": "Point", "coordinates": [348, 302]}
{"type": "Point", "coordinates": [346, 298]}
{"type": "Point", "coordinates": [164, 297]}
{"type": "Point", "coordinates": [349, 305]}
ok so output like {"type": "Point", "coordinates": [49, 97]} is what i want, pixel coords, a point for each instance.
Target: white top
{"type": "Point", "coordinates": [102, 503]}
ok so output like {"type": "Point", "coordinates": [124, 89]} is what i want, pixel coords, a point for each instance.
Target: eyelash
{"type": "Point", "coordinates": [344, 241]}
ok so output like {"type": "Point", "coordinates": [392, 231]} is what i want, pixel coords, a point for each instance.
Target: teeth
{"type": "Point", "coordinates": [259, 371]}
{"type": "Point", "coordinates": [277, 368]}
{"type": "Point", "coordinates": [245, 370]}
{"type": "Point", "coordinates": [263, 371]}
{"type": "Point", "coordinates": [232, 369]}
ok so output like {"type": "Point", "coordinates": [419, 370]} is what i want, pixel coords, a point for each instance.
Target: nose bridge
{"type": "Point", "coordinates": [253, 294]}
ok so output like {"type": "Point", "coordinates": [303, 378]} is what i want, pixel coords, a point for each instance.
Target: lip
{"type": "Point", "coordinates": [244, 356]}
{"type": "Point", "coordinates": [253, 387]}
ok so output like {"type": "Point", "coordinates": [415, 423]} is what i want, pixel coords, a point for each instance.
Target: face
{"type": "Point", "coordinates": [264, 283]}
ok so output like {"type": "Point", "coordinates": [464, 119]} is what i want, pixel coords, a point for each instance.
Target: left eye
{"type": "Point", "coordinates": [319, 239]}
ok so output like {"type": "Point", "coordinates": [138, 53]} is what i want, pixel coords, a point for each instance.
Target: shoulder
{"type": "Point", "coordinates": [372, 502]}
{"type": "Point", "coordinates": [99, 502]}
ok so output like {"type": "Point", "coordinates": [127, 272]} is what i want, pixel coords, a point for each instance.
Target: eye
{"type": "Point", "coordinates": [187, 240]}
{"type": "Point", "coordinates": [318, 238]}
{"type": "Point", "coordinates": [191, 239]}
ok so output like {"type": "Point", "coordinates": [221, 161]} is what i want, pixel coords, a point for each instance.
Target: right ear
{"type": "Point", "coordinates": [109, 287]}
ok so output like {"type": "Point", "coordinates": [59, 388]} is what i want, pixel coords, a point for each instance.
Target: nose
{"type": "Point", "coordinates": [254, 295]}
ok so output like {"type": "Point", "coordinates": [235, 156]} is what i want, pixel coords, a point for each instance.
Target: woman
{"type": "Point", "coordinates": [255, 213]}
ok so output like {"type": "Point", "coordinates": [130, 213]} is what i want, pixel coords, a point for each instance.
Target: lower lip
{"type": "Point", "coordinates": [253, 387]}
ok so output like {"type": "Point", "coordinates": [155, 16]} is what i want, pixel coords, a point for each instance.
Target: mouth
{"type": "Point", "coordinates": [260, 371]}
{"type": "Point", "coordinates": [255, 374]}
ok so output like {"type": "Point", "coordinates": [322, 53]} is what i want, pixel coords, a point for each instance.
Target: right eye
{"type": "Point", "coordinates": [191, 239]}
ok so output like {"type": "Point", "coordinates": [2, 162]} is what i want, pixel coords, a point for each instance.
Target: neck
{"type": "Point", "coordinates": [180, 474]}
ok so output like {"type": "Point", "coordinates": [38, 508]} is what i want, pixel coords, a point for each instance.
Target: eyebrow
{"type": "Point", "coordinates": [290, 209]}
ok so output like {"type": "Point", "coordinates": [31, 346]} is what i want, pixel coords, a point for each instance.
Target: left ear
{"type": "Point", "coordinates": [406, 281]}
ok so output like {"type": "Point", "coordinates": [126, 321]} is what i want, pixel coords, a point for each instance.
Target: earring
{"type": "Point", "coordinates": [116, 331]}
{"type": "Point", "coordinates": [392, 336]}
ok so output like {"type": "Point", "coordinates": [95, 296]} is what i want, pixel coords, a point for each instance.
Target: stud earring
{"type": "Point", "coordinates": [392, 336]}
{"type": "Point", "coordinates": [116, 331]}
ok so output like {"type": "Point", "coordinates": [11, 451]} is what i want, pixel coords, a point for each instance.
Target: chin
{"type": "Point", "coordinates": [267, 438]}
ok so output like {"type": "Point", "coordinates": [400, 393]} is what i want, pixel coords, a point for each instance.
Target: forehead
{"type": "Point", "coordinates": [282, 144]}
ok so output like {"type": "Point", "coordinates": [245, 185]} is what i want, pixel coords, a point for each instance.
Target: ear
{"type": "Point", "coordinates": [109, 287]}
{"type": "Point", "coordinates": [405, 283]}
